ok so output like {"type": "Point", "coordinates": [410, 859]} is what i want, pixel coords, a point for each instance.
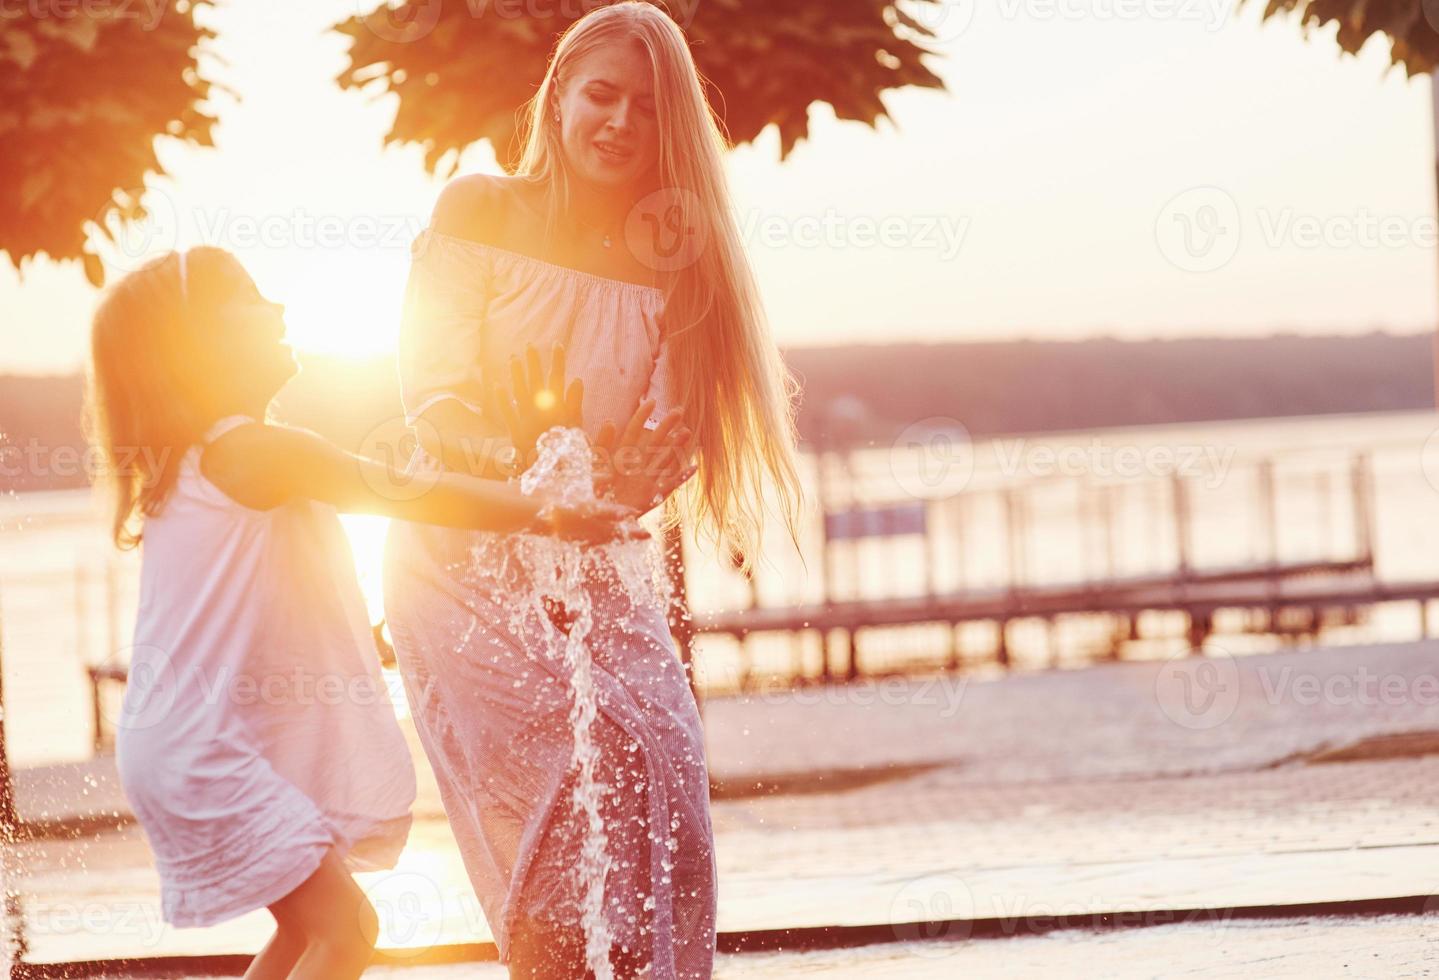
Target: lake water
{"type": "Point", "coordinates": [67, 598]}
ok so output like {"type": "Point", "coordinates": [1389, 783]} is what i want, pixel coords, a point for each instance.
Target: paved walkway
{"type": "Point", "coordinates": [1130, 788]}
{"type": "Point", "coordinates": [1378, 948]}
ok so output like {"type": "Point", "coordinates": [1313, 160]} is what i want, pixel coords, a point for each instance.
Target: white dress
{"type": "Point", "coordinates": [256, 731]}
{"type": "Point", "coordinates": [491, 701]}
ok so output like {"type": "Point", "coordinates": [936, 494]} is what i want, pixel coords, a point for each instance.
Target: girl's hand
{"type": "Point", "coordinates": [535, 404]}
{"type": "Point", "coordinates": [597, 521]}
{"type": "Point", "coordinates": [640, 467]}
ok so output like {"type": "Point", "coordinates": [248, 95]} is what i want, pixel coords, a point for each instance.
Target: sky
{"type": "Point", "coordinates": [1129, 168]}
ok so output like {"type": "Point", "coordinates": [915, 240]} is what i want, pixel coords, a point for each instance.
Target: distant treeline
{"type": "Point", "coordinates": [871, 392]}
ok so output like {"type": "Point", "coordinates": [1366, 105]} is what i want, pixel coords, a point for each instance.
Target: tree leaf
{"type": "Point", "coordinates": [761, 63]}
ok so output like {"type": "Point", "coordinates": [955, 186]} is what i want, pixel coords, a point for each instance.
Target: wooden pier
{"type": "Point", "coordinates": [1270, 595]}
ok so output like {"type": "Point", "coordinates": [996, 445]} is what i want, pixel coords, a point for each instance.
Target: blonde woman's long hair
{"type": "Point", "coordinates": [740, 399]}
{"type": "Point", "coordinates": [143, 399]}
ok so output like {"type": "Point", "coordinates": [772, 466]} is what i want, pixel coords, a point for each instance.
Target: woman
{"type": "Point", "coordinates": [614, 238]}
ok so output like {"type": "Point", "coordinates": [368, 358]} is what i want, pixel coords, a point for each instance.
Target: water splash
{"type": "Point", "coordinates": [12, 923]}
{"type": "Point", "coordinates": [12, 932]}
{"type": "Point", "coordinates": [557, 570]}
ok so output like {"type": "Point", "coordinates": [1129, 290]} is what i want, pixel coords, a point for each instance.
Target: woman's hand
{"type": "Point", "coordinates": [640, 467]}
{"type": "Point", "coordinates": [594, 521]}
{"type": "Point", "coordinates": [535, 405]}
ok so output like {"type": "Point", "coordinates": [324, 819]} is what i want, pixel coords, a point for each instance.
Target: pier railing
{"type": "Point", "coordinates": [1283, 545]}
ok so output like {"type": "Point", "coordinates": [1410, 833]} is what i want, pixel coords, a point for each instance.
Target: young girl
{"type": "Point", "coordinates": [257, 743]}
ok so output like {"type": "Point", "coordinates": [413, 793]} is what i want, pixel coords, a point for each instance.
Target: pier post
{"type": "Point", "coordinates": [112, 608]}
{"type": "Point", "coordinates": [1271, 530]}
{"type": "Point", "coordinates": [82, 615]}
{"type": "Point", "coordinates": [1014, 531]}
{"type": "Point", "coordinates": [1363, 510]}
{"type": "Point", "coordinates": [1180, 500]}
{"type": "Point", "coordinates": [680, 621]}
{"type": "Point", "coordinates": [1119, 628]}
{"type": "Point", "coordinates": [958, 509]}
{"type": "Point", "coordinates": [931, 555]}
{"type": "Point", "coordinates": [1201, 624]}
{"type": "Point", "coordinates": [821, 492]}
{"type": "Point", "coordinates": [826, 661]}
{"type": "Point", "coordinates": [1271, 522]}
{"type": "Point", "coordinates": [1106, 512]}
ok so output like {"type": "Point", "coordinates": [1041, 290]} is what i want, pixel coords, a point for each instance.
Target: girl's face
{"type": "Point", "coordinates": [607, 116]}
{"type": "Point", "coordinates": [245, 333]}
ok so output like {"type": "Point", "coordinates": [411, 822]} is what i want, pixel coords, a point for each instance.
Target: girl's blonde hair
{"type": "Point", "coordinates": [144, 405]}
{"type": "Point", "coordinates": [740, 398]}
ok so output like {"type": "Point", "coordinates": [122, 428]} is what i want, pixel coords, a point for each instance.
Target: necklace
{"type": "Point", "coordinates": [606, 241]}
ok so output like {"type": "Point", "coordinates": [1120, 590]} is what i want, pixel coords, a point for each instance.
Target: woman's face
{"type": "Point", "coordinates": [246, 331]}
{"type": "Point", "coordinates": [607, 116]}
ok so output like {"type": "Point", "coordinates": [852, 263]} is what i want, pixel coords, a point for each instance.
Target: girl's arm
{"type": "Point", "coordinates": [262, 466]}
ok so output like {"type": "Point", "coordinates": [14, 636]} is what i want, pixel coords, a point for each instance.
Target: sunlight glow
{"type": "Point", "coordinates": [367, 543]}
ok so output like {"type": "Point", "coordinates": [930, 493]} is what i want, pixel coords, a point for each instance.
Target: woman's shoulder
{"type": "Point", "coordinates": [481, 207]}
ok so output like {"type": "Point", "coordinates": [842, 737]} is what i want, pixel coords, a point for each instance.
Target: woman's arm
{"type": "Point", "coordinates": [643, 460]}
{"type": "Point", "coordinates": [447, 395]}
{"type": "Point", "coordinates": [639, 467]}
{"type": "Point", "coordinates": [263, 466]}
